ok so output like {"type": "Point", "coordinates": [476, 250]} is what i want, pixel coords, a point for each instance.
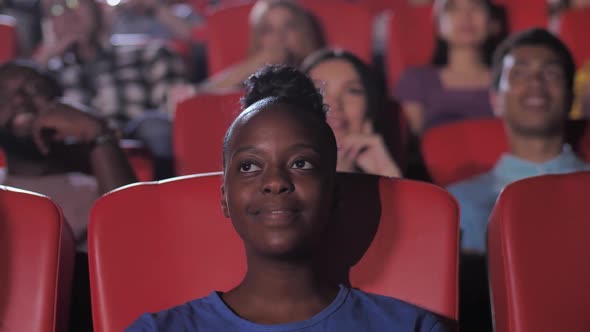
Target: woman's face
{"type": "Point", "coordinates": [280, 27]}
{"type": "Point", "coordinates": [464, 22]}
{"type": "Point", "coordinates": [279, 181]}
{"type": "Point", "coordinates": [344, 94]}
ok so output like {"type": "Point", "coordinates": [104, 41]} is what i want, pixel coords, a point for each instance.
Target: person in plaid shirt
{"type": "Point", "coordinates": [127, 85]}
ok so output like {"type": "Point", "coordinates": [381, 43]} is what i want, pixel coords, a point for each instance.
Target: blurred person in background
{"type": "Point", "coordinates": [363, 120]}
{"type": "Point", "coordinates": [281, 32]}
{"type": "Point", "coordinates": [46, 141]}
{"type": "Point", "coordinates": [455, 86]}
{"type": "Point", "coordinates": [532, 92]}
{"type": "Point", "coordinates": [126, 85]}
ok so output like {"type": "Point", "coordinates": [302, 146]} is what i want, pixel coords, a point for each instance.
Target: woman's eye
{"type": "Point", "coordinates": [247, 167]}
{"type": "Point", "coordinates": [302, 164]}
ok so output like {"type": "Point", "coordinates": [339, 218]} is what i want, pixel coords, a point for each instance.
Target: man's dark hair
{"type": "Point", "coordinates": [534, 37]}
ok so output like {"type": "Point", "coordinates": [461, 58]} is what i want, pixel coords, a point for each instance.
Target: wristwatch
{"type": "Point", "coordinates": [104, 138]}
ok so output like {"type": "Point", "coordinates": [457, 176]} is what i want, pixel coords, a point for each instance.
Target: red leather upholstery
{"type": "Point", "coordinates": [199, 128]}
{"type": "Point", "coordinates": [346, 25]}
{"type": "Point", "coordinates": [573, 30]}
{"type": "Point", "coordinates": [404, 48]}
{"type": "Point", "coordinates": [152, 246]}
{"type": "Point", "coordinates": [228, 30]}
{"type": "Point", "coordinates": [538, 251]}
{"type": "Point", "coordinates": [228, 36]}
{"type": "Point", "coordinates": [7, 38]}
{"type": "Point", "coordinates": [36, 263]}
{"type": "Point", "coordinates": [414, 254]}
{"type": "Point", "coordinates": [525, 14]}
{"type": "Point", "coordinates": [460, 150]}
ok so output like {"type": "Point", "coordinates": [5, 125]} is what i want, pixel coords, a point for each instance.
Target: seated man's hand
{"type": "Point", "coordinates": [60, 122]}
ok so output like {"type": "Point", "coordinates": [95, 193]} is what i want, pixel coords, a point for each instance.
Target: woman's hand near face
{"type": "Point", "coordinates": [368, 152]}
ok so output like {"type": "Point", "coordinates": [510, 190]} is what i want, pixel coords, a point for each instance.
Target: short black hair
{"type": "Point", "coordinates": [281, 84]}
{"type": "Point", "coordinates": [534, 37]}
{"type": "Point", "coordinates": [21, 67]}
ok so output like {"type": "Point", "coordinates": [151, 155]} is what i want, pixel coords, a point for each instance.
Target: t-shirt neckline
{"type": "Point", "coordinates": [225, 312]}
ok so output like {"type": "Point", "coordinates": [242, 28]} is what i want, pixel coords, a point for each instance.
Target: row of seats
{"type": "Point", "coordinates": [450, 153]}
{"type": "Point", "coordinates": [404, 23]}
{"type": "Point", "coordinates": [355, 33]}
{"type": "Point", "coordinates": [154, 245]}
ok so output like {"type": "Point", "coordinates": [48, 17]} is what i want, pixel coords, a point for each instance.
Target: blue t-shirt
{"type": "Point", "coordinates": [352, 310]}
{"type": "Point", "coordinates": [477, 196]}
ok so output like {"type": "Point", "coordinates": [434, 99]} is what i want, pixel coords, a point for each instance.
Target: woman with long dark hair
{"type": "Point", "coordinates": [359, 113]}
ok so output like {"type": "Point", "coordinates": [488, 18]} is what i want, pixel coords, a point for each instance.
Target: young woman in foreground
{"type": "Point", "coordinates": [278, 190]}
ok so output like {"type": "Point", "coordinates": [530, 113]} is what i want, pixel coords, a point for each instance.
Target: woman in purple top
{"type": "Point", "coordinates": [455, 86]}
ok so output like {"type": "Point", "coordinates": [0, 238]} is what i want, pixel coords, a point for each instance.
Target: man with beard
{"type": "Point", "coordinates": [45, 141]}
{"type": "Point", "coordinates": [532, 92]}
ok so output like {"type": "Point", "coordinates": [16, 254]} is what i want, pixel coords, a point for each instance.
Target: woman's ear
{"type": "Point", "coordinates": [224, 203]}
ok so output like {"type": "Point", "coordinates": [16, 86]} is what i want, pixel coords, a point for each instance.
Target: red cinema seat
{"type": "Point", "coordinates": [7, 38]}
{"type": "Point", "coordinates": [410, 40]}
{"type": "Point", "coordinates": [36, 263]}
{"type": "Point", "coordinates": [525, 14]}
{"type": "Point", "coordinates": [573, 28]}
{"type": "Point", "coordinates": [199, 127]}
{"type": "Point", "coordinates": [227, 34]}
{"type": "Point", "coordinates": [350, 29]}
{"type": "Point", "coordinates": [156, 245]}
{"type": "Point", "coordinates": [538, 251]}
{"type": "Point", "coordinates": [460, 150]}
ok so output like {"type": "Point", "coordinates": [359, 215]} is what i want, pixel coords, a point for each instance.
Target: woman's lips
{"type": "Point", "coordinates": [276, 216]}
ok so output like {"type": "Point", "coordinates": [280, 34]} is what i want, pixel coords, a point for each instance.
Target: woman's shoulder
{"type": "Point", "coordinates": [178, 317]}
{"type": "Point", "coordinates": [396, 310]}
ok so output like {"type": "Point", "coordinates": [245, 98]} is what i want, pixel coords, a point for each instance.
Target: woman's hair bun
{"type": "Point", "coordinates": [286, 84]}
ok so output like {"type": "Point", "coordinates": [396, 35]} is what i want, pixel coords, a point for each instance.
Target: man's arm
{"type": "Point", "coordinates": [60, 122]}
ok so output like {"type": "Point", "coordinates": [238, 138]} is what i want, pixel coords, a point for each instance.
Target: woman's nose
{"type": "Point", "coordinates": [277, 181]}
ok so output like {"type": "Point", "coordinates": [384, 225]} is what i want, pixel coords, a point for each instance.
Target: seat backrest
{"type": "Point", "coordinates": [460, 150]}
{"type": "Point", "coordinates": [199, 127]}
{"type": "Point", "coordinates": [228, 34]}
{"type": "Point", "coordinates": [573, 27]}
{"type": "Point", "coordinates": [404, 49]}
{"type": "Point", "coordinates": [525, 14]}
{"type": "Point", "coordinates": [538, 251]}
{"type": "Point", "coordinates": [7, 38]}
{"type": "Point", "coordinates": [156, 245]}
{"type": "Point", "coordinates": [36, 263]}
{"type": "Point", "coordinates": [228, 30]}
{"type": "Point", "coordinates": [354, 33]}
